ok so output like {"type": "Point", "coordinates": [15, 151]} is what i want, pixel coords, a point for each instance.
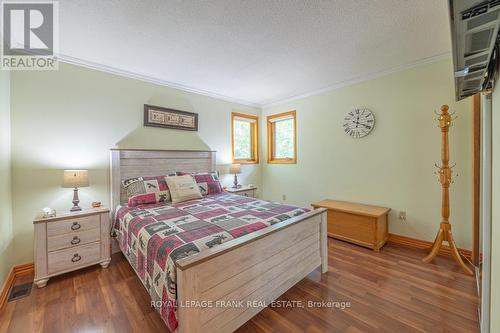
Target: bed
{"type": "Point", "coordinates": [211, 264]}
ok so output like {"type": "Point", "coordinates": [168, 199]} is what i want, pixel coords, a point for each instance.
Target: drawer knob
{"type": "Point", "coordinates": [75, 226]}
{"type": "Point", "coordinates": [76, 258]}
{"type": "Point", "coordinates": [75, 240]}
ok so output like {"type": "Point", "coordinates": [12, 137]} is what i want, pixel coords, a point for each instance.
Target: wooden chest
{"type": "Point", "coordinates": [360, 224]}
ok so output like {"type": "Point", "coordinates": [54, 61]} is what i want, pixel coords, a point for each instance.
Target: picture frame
{"type": "Point", "coordinates": [157, 116]}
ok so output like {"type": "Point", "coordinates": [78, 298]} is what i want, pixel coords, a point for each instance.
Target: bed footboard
{"type": "Point", "coordinates": [222, 288]}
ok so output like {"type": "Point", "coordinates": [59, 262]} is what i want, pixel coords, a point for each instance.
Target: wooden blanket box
{"type": "Point", "coordinates": [364, 225]}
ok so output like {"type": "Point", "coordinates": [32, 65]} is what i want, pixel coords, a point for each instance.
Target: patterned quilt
{"type": "Point", "coordinates": [153, 237]}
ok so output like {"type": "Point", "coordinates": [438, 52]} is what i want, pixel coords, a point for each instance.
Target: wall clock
{"type": "Point", "coordinates": [359, 122]}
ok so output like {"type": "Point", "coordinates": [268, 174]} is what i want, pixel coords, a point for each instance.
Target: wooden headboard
{"type": "Point", "coordinates": [130, 163]}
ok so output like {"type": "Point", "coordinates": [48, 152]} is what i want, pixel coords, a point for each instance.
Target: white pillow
{"type": "Point", "coordinates": [183, 188]}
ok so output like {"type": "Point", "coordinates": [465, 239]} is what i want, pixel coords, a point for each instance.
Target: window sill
{"type": "Point", "coordinates": [283, 161]}
{"type": "Point", "coordinates": [246, 161]}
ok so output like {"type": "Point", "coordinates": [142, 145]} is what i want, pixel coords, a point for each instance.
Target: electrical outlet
{"type": "Point", "coordinates": [402, 215]}
{"type": "Point", "coordinates": [283, 197]}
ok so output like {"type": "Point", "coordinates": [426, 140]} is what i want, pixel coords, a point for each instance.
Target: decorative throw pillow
{"type": "Point", "coordinates": [143, 185]}
{"type": "Point", "coordinates": [149, 198]}
{"type": "Point", "coordinates": [183, 188]}
{"type": "Point", "coordinates": [208, 182]}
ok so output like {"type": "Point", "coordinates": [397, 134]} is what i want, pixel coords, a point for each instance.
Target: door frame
{"type": "Point", "coordinates": [476, 178]}
{"type": "Point", "coordinates": [484, 270]}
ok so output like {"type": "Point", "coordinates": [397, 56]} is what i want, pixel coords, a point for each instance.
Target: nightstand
{"type": "Point", "coordinates": [71, 241]}
{"type": "Point", "coordinates": [246, 191]}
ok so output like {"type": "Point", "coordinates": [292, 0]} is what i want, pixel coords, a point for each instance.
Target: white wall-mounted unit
{"type": "Point", "coordinates": [474, 30]}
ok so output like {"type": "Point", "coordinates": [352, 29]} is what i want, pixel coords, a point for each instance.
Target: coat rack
{"type": "Point", "coordinates": [445, 178]}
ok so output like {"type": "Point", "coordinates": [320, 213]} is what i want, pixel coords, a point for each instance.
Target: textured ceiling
{"type": "Point", "coordinates": [259, 51]}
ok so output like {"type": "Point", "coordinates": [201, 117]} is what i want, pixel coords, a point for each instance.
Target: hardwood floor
{"type": "Point", "coordinates": [390, 291]}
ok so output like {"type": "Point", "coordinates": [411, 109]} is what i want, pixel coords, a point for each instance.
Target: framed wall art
{"type": "Point", "coordinates": [156, 116]}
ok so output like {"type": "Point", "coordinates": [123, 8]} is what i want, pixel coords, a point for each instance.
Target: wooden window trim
{"type": "Point", "coordinates": [255, 137]}
{"type": "Point", "coordinates": [270, 139]}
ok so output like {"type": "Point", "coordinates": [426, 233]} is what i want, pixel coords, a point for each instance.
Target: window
{"type": "Point", "coordinates": [245, 135]}
{"type": "Point", "coordinates": [281, 138]}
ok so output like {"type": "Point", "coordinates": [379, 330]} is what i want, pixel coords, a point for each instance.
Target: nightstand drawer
{"type": "Point", "coordinates": [72, 258]}
{"type": "Point", "coordinates": [249, 193]}
{"type": "Point", "coordinates": [73, 225]}
{"type": "Point", "coordinates": [74, 239]}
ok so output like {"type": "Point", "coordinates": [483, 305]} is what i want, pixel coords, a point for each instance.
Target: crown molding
{"type": "Point", "coordinates": [147, 78]}
{"type": "Point", "coordinates": [362, 78]}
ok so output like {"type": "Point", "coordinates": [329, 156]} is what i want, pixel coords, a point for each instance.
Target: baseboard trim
{"type": "Point", "coordinates": [15, 272]}
{"type": "Point", "coordinates": [9, 280]}
{"type": "Point", "coordinates": [426, 245]}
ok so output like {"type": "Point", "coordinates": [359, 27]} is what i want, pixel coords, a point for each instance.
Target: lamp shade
{"type": "Point", "coordinates": [235, 168]}
{"type": "Point", "coordinates": [76, 178]}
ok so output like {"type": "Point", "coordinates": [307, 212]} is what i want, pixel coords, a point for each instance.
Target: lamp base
{"type": "Point", "coordinates": [76, 201]}
{"type": "Point", "coordinates": [236, 185]}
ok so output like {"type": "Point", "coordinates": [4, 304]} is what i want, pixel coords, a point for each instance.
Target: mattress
{"type": "Point", "coordinates": [153, 237]}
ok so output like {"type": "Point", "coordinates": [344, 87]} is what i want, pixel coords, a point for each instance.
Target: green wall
{"type": "Point", "coordinates": [5, 176]}
{"type": "Point", "coordinates": [70, 118]}
{"type": "Point", "coordinates": [394, 165]}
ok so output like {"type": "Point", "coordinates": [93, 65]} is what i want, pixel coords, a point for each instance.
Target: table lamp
{"type": "Point", "coordinates": [75, 179]}
{"type": "Point", "coordinates": [235, 169]}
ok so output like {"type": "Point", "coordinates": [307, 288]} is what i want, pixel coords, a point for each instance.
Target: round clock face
{"type": "Point", "coordinates": [359, 123]}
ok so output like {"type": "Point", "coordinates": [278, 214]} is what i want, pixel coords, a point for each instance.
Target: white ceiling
{"type": "Point", "coordinates": [258, 51]}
